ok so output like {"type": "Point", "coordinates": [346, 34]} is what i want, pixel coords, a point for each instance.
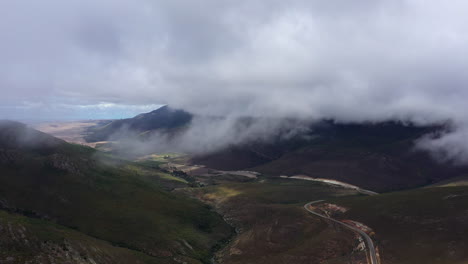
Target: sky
{"type": "Point", "coordinates": [352, 61]}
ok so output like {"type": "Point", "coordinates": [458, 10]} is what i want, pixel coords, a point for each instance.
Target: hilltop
{"type": "Point", "coordinates": [163, 118]}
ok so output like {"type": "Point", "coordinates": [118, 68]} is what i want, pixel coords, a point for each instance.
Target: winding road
{"type": "Point", "coordinates": [370, 245]}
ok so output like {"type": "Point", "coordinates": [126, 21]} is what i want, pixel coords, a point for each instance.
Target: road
{"type": "Point", "coordinates": [367, 239]}
{"type": "Point", "coordinates": [331, 182]}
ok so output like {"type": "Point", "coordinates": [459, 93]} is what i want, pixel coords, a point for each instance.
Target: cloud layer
{"type": "Point", "coordinates": [353, 61]}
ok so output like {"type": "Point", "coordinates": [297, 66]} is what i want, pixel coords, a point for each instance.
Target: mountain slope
{"type": "Point", "coordinates": [77, 187]}
{"type": "Point", "coordinates": [379, 157]}
{"type": "Point", "coordinates": [30, 240]}
{"type": "Point", "coordinates": [161, 118]}
{"type": "Point", "coordinates": [427, 225]}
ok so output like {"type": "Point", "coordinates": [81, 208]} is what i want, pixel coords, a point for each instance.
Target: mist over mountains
{"type": "Point", "coordinates": [384, 156]}
{"type": "Point", "coordinates": [220, 131]}
{"type": "Point", "coordinates": [301, 60]}
{"type": "Point", "coordinates": [168, 130]}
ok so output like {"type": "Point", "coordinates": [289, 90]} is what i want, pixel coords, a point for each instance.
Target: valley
{"type": "Point", "coordinates": [233, 132]}
{"type": "Point", "coordinates": [168, 208]}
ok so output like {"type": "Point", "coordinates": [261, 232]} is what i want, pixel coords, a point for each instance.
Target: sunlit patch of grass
{"type": "Point", "coordinates": [172, 178]}
{"type": "Point", "coordinates": [278, 191]}
{"type": "Point", "coordinates": [455, 184]}
{"type": "Point", "coordinates": [162, 157]}
{"type": "Point", "coordinates": [222, 192]}
{"type": "Point", "coordinates": [143, 170]}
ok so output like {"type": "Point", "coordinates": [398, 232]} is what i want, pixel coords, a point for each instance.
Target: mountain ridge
{"type": "Point", "coordinates": [163, 118]}
{"type": "Point", "coordinates": [380, 157]}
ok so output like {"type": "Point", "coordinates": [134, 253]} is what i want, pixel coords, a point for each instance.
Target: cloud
{"type": "Point", "coordinates": [207, 134]}
{"type": "Point", "coordinates": [365, 60]}
{"type": "Point", "coordinates": [447, 146]}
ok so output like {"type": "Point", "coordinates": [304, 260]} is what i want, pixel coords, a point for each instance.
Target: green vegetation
{"type": "Point", "coordinates": [24, 240]}
{"type": "Point", "coordinates": [278, 191]}
{"type": "Point", "coordinates": [109, 199]}
{"type": "Point", "coordinates": [152, 173]}
{"type": "Point", "coordinates": [73, 204]}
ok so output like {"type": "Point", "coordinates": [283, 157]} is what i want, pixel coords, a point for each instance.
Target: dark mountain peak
{"type": "Point", "coordinates": [164, 118]}
{"type": "Point", "coordinates": [163, 111]}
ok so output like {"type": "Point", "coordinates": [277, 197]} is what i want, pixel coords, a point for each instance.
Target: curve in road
{"type": "Point", "coordinates": [370, 245]}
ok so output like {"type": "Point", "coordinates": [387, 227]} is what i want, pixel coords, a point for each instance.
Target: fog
{"type": "Point", "coordinates": [359, 61]}
{"type": "Point", "coordinates": [207, 134]}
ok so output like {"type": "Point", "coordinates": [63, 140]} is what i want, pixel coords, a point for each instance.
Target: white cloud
{"type": "Point", "coordinates": [364, 60]}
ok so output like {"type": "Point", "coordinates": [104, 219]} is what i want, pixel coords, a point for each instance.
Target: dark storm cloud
{"type": "Point", "coordinates": [354, 61]}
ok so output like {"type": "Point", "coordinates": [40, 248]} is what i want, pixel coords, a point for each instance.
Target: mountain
{"type": "Point", "coordinates": [380, 157]}
{"type": "Point", "coordinates": [164, 118]}
{"type": "Point", "coordinates": [30, 240]}
{"type": "Point", "coordinates": [58, 200]}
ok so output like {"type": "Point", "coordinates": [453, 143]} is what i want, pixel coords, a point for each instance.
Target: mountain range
{"type": "Point", "coordinates": [68, 203]}
{"type": "Point", "coordinates": [377, 156]}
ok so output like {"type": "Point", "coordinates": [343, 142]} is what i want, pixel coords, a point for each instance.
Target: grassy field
{"type": "Point", "coordinates": [419, 226]}
{"type": "Point", "coordinates": [278, 191]}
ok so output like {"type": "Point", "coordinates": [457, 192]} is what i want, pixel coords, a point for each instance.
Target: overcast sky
{"type": "Point", "coordinates": [360, 60]}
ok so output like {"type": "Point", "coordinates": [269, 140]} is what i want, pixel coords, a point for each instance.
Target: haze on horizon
{"type": "Point", "coordinates": [365, 60]}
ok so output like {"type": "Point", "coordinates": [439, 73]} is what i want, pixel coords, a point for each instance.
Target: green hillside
{"type": "Point", "coordinates": [31, 240]}
{"type": "Point", "coordinates": [109, 199]}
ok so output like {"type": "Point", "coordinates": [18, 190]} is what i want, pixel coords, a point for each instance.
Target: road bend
{"type": "Point", "coordinates": [367, 239]}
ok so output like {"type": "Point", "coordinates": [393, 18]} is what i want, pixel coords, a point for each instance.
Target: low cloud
{"type": "Point", "coordinates": [208, 134]}
{"type": "Point", "coordinates": [359, 61]}
{"type": "Point", "coordinates": [447, 146]}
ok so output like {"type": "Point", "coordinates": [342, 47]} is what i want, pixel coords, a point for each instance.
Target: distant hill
{"type": "Point", "coordinates": [161, 118]}
{"type": "Point", "coordinates": [379, 157]}
{"type": "Point", "coordinates": [71, 200]}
